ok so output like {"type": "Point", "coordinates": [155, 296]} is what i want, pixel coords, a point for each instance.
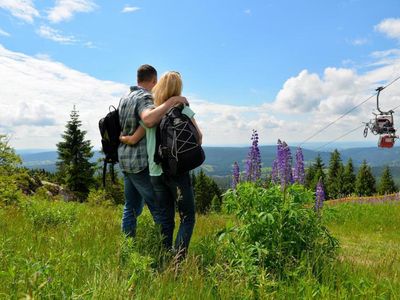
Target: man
{"type": "Point", "coordinates": [138, 105]}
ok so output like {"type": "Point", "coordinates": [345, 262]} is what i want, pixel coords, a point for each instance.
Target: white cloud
{"type": "Point", "coordinates": [129, 9]}
{"type": "Point", "coordinates": [389, 27]}
{"type": "Point", "coordinates": [89, 45]}
{"type": "Point", "coordinates": [65, 9]}
{"type": "Point", "coordinates": [43, 56]}
{"type": "Point", "coordinates": [317, 101]}
{"type": "Point", "coordinates": [311, 93]}
{"type": "Point", "coordinates": [300, 94]}
{"type": "Point", "coordinates": [22, 9]}
{"type": "Point", "coordinates": [4, 33]}
{"type": "Point", "coordinates": [38, 94]}
{"type": "Point", "coordinates": [55, 35]}
{"type": "Point", "coordinates": [247, 11]}
{"type": "Point", "coordinates": [359, 42]}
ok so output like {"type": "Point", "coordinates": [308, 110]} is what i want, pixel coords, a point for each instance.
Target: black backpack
{"type": "Point", "coordinates": [177, 148]}
{"type": "Point", "coordinates": [110, 130]}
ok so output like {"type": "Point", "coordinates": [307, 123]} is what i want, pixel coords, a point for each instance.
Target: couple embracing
{"type": "Point", "coordinates": [145, 181]}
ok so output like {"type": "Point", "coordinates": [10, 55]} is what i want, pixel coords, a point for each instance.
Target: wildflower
{"type": "Point", "coordinates": [298, 173]}
{"type": "Point", "coordinates": [284, 164]}
{"type": "Point", "coordinates": [319, 196]}
{"type": "Point", "coordinates": [253, 164]}
{"type": "Point", "coordinates": [235, 175]}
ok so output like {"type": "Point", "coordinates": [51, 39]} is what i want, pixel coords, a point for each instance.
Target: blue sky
{"type": "Point", "coordinates": [267, 65]}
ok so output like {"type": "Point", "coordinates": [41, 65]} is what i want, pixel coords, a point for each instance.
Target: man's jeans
{"type": "Point", "coordinates": [165, 188]}
{"type": "Point", "coordinates": [138, 190]}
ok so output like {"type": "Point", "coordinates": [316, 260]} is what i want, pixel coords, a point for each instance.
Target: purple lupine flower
{"type": "Point", "coordinates": [253, 164]}
{"type": "Point", "coordinates": [289, 172]}
{"type": "Point", "coordinates": [284, 164]}
{"type": "Point", "coordinates": [235, 175]}
{"type": "Point", "coordinates": [299, 174]}
{"type": "Point", "coordinates": [319, 196]}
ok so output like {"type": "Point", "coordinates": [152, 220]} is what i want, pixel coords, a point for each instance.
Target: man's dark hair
{"type": "Point", "coordinates": [146, 73]}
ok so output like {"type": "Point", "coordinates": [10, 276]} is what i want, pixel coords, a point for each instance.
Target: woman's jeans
{"type": "Point", "coordinates": [172, 192]}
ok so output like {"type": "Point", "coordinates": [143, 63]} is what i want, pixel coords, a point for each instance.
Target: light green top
{"type": "Point", "coordinates": [155, 169]}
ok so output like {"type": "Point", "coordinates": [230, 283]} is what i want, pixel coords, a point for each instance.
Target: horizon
{"type": "Point", "coordinates": [339, 146]}
{"type": "Point", "coordinates": [286, 69]}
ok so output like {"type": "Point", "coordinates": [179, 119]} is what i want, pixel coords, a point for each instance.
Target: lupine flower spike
{"type": "Point", "coordinates": [319, 196]}
{"type": "Point", "coordinates": [284, 164]}
{"type": "Point", "coordinates": [299, 174]}
{"type": "Point", "coordinates": [253, 164]}
{"type": "Point", "coordinates": [235, 175]}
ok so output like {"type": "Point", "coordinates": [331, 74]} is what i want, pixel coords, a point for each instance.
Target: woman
{"type": "Point", "coordinates": [166, 187]}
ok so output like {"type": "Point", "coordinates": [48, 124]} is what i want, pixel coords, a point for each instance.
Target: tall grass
{"type": "Point", "coordinates": [84, 256]}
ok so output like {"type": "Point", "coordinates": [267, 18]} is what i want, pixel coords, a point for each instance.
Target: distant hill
{"type": "Point", "coordinates": [374, 156]}
{"type": "Point", "coordinates": [219, 160]}
{"type": "Point", "coordinates": [45, 160]}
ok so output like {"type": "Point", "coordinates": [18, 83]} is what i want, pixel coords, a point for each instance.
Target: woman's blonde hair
{"type": "Point", "coordinates": [169, 85]}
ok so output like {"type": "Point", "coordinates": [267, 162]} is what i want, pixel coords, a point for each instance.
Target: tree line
{"type": "Point", "coordinates": [341, 180]}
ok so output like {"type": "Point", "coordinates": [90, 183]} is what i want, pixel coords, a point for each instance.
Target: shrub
{"type": "Point", "coordinates": [9, 191]}
{"type": "Point", "coordinates": [276, 229]}
{"type": "Point", "coordinates": [43, 193]}
{"type": "Point", "coordinates": [26, 183]}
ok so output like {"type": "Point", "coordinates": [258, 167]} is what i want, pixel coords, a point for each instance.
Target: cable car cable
{"type": "Point", "coordinates": [316, 149]}
{"type": "Point", "coordinates": [342, 136]}
{"type": "Point", "coordinates": [349, 111]}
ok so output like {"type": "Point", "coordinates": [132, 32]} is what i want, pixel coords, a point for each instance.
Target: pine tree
{"type": "Point", "coordinates": [365, 182]}
{"type": "Point", "coordinates": [310, 173]}
{"type": "Point", "coordinates": [349, 178]}
{"type": "Point", "coordinates": [202, 195]}
{"type": "Point", "coordinates": [334, 185]}
{"type": "Point", "coordinates": [205, 190]}
{"type": "Point", "coordinates": [386, 184]}
{"type": "Point", "coordinates": [314, 173]}
{"type": "Point", "coordinates": [74, 154]}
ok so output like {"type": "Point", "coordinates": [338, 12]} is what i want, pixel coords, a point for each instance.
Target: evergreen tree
{"type": "Point", "coordinates": [205, 190]}
{"type": "Point", "coordinates": [314, 173]}
{"type": "Point", "coordinates": [386, 184]}
{"type": "Point", "coordinates": [310, 173]}
{"type": "Point", "coordinates": [349, 178]}
{"type": "Point", "coordinates": [334, 185]}
{"type": "Point", "coordinates": [365, 182]}
{"type": "Point", "coordinates": [202, 195]}
{"type": "Point", "coordinates": [74, 154]}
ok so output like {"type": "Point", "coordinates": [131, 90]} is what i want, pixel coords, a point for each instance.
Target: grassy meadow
{"type": "Point", "coordinates": [58, 250]}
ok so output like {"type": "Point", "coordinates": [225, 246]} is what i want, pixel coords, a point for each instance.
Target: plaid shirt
{"type": "Point", "coordinates": [133, 159]}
